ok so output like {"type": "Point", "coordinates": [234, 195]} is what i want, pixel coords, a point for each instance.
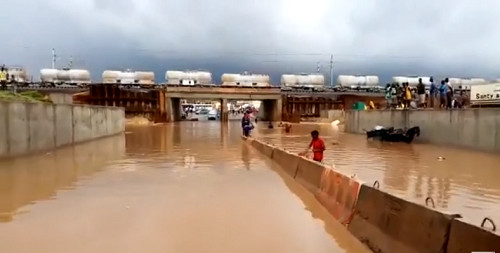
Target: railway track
{"type": "Point", "coordinates": [326, 91]}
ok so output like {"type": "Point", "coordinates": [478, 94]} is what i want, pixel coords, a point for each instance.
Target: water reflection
{"type": "Point", "coordinates": [245, 155]}
{"type": "Point", "coordinates": [28, 180]}
{"type": "Point", "coordinates": [465, 182]}
{"type": "Point", "coordinates": [184, 187]}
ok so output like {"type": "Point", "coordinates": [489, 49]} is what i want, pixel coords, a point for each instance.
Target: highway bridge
{"type": "Point", "coordinates": [162, 103]}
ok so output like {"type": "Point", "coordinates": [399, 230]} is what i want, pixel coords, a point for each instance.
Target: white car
{"type": "Point", "coordinates": [212, 115]}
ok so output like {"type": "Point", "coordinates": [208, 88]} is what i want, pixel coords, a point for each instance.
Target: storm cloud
{"type": "Point", "coordinates": [384, 37]}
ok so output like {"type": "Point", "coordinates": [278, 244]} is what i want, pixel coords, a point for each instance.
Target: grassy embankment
{"type": "Point", "coordinates": [25, 96]}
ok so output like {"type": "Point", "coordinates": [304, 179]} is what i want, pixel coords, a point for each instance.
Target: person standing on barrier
{"type": "Point", "coordinates": [318, 146]}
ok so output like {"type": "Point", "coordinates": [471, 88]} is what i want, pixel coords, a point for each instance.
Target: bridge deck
{"type": "Point", "coordinates": [224, 92]}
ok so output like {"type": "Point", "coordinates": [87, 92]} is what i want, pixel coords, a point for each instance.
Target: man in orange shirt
{"type": "Point", "coordinates": [317, 145]}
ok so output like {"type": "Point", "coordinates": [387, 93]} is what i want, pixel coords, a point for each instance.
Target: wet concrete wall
{"type": "Point", "coordinates": [32, 127]}
{"type": "Point", "coordinates": [471, 128]}
{"type": "Point", "coordinates": [332, 115]}
{"type": "Point", "coordinates": [383, 222]}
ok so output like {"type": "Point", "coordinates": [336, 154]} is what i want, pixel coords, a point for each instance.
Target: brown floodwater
{"type": "Point", "coordinates": [464, 182]}
{"type": "Point", "coordinates": [184, 187]}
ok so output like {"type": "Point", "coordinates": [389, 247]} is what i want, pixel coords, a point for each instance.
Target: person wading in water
{"type": "Point", "coordinates": [317, 145]}
{"type": "Point", "coordinates": [246, 124]}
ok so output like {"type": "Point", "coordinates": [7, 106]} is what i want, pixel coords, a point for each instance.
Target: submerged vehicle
{"type": "Point", "coordinates": [393, 135]}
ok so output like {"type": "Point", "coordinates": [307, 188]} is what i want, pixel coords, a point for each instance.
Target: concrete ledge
{"type": "Point", "coordinates": [309, 174]}
{"type": "Point", "coordinates": [470, 128]}
{"type": "Point", "coordinates": [383, 222]}
{"type": "Point", "coordinates": [469, 238]}
{"type": "Point", "coordinates": [288, 161]}
{"type": "Point", "coordinates": [389, 224]}
{"type": "Point", "coordinates": [33, 127]}
{"type": "Point", "coordinates": [337, 192]}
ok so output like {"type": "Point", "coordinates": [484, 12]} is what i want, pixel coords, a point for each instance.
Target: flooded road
{"type": "Point", "coordinates": [186, 187]}
{"type": "Point", "coordinates": [465, 182]}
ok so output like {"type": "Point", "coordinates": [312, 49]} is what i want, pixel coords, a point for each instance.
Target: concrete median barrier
{"type": "Point", "coordinates": [383, 222]}
{"type": "Point", "coordinates": [264, 148]}
{"type": "Point", "coordinates": [309, 174]}
{"type": "Point", "coordinates": [465, 237]}
{"type": "Point", "coordinates": [386, 223]}
{"type": "Point", "coordinates": [288, 161]}
{"type": "Point", "coordinates": [338, 193]}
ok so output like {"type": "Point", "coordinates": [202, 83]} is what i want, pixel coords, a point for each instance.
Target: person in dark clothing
{"type": "Point", "coordinates": [421, 93]}
{"type": "Point", "coordinates": [287, 128]}
{"type": "Point", "coordinates": [246, 125]}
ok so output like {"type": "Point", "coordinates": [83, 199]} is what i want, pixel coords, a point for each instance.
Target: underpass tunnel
{"type": "Point", "coordinates": [270, 109]}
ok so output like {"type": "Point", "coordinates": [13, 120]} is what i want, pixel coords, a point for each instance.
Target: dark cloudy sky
{"type": "Point", "coordinates": [384, 37]}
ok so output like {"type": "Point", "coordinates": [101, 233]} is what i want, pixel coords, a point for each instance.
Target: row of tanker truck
{"type": "Point", "coordinates": [315, 82]}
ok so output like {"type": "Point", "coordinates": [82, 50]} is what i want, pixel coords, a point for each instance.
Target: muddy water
{"type": "Point", "coordinates": [465, 182]}
{"type": "Point", "coordinates": [188, 187]}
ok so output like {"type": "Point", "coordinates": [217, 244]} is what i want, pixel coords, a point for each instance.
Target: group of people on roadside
{"type": "Point", "coordinates": [442, 96]}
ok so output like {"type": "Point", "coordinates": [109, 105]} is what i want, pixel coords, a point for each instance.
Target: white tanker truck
{"type": "Point", "coordinates": [188, 77]}
{"type": "Point", "coordinates": [245, 80]}
{"type": "Point", "coordinates": [128, 77]}
{"type": "Point", "coordinates": [314, 82]}
{"type": "Point", "coordinates": [57, 77]}
{"type": "Point", "coordinates": [365, 83]}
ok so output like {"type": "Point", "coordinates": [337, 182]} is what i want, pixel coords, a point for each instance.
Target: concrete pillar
{"type": "Point", "coordinates": [173, 109]}
{"type": "Point", "coordinates": [278, 110]}
{"type": "Point", "coordinates": [168, 109]}
{"type": "Point", "coordinates": [224, 113]}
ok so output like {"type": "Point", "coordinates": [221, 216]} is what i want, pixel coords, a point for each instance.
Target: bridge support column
{"type": "Point", "coordinates": [173, 109]}
{"type": "Point", "coordinates": [224, 112]}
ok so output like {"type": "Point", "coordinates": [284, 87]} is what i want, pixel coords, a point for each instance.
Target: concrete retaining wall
{"type": "Point", "coordinates": [383, 222]}
{"type": "Point", "coordinates": [32, 127]}
{"type": "Point", "coordinates": [471, 128]}
{"type": "Point", "coordinates": [332, 115]}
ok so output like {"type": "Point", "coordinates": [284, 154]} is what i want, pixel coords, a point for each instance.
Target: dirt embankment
{"type": "Point", "coordinates": [25, 96]}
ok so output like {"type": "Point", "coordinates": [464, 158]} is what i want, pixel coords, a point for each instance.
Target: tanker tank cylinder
{"type": "Point", "coordinates": [288, 80]}
{"type": "Point", "coordinates": [79, 75]}
{"type": "Point", "coordinates": [198, 77]}
{"type": "Point", "coordinates": [372, 81]}
{"type": "Point", "coordinates": [48, 75]}
{"type": "Point", "coordinates": [346, 80]}
{"type": "Point", "coordinates": [400, 79]}
{"type": "Point", "coordinates": [63, 75]}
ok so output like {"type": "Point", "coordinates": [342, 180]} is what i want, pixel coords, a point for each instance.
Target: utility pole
{"type": "Point", "coordinates": [53, 58]}
{"type": "Point", "coordinates": [331, 70]}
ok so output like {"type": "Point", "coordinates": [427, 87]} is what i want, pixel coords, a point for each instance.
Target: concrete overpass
{"type": "Point", "coordinates": [270, 97]}
{"type": "Point", "coordinates": [162, 103]}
